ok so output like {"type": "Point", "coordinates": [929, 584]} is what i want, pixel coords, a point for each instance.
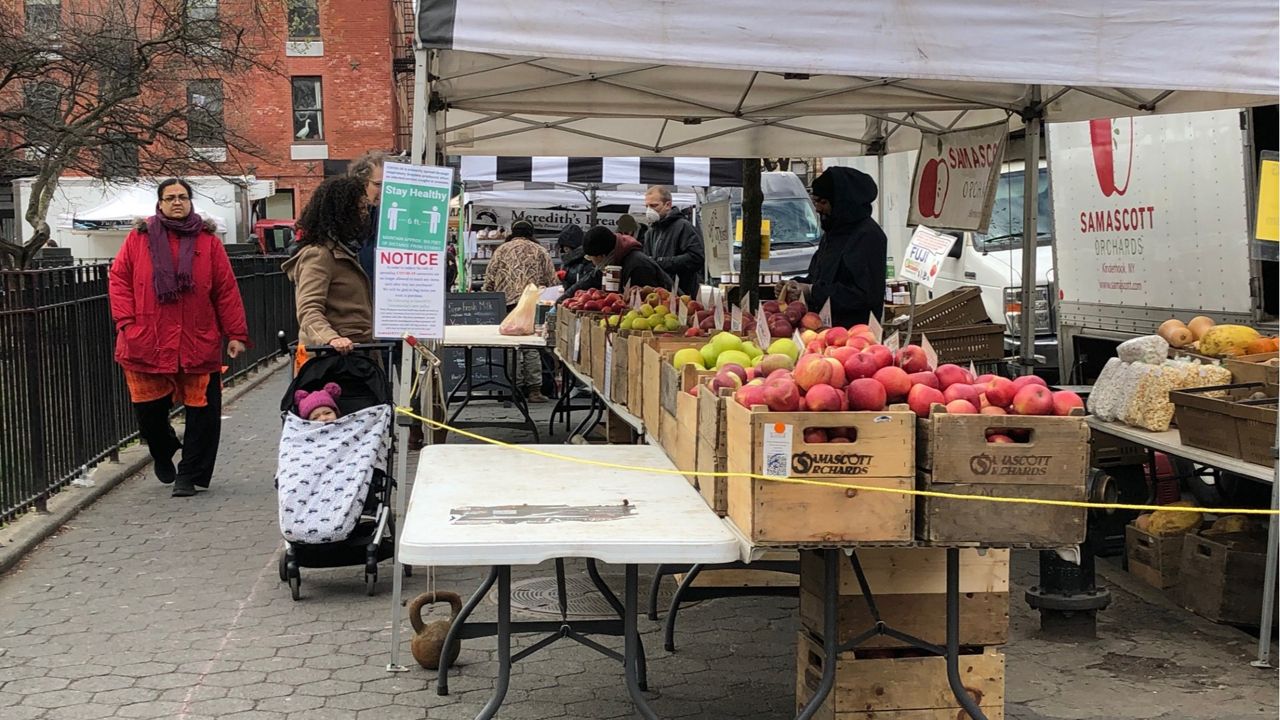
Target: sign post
{"type": "Point", "coordinates": [413, 227]}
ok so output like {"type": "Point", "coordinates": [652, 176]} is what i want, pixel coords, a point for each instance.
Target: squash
{"type": "Point", "coordinates": [1227, 340]}
{"type": "Point", "coordinates": [1200, 325]}
{"type": "Point", "coordinates": [1262, 346]}
{"type": "Point", "coordinates": [1175, 333]}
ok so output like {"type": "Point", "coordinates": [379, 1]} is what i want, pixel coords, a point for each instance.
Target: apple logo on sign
{"type": "Point", "coordinates": [1112, 154]}
{"type": "Point", "coordinates": [934, 182]}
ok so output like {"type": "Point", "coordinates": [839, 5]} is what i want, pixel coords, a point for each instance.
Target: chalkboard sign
{"type": "Point", "coordinates": [472, 309]}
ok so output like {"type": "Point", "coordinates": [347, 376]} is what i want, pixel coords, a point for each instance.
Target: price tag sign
{"type": "Point", "coordinates": [876, 329]}
{"type": "Point", "coordinates": [577, 340]}
{"type": "Point", "coordinates": [719, 316]}
{"type": "Point", "coordinates": [675, 296]}
{"type": "Point", "coordinates": [893, 343]}
{"type": "Point", "coordinates": [924, 256]}
{"type": "Point", "coordinates": [635, 298]}
{"type": "Point", "coordinates": [735, 319]}
{"type": "Point", "coordinates": [795, 338]}
{"type": "Point", "coordinates": [930, 355]}
{"type": "Point", "coordinates": [682, 313]}
{"type": "Point", "coordinates": [763, 341]}
{"type": "Point", "coordinates": [777, 449]}
{"type": "Point", "coordinates": [608, 367]}
{"type": "Point", "coordinates": [825, 313]}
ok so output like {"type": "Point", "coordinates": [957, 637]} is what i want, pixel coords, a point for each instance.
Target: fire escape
{"type": "Point", "coordinates": [402, 71]}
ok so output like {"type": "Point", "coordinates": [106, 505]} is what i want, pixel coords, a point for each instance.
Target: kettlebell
{"type": "Point", "coordinates": [428, 638]}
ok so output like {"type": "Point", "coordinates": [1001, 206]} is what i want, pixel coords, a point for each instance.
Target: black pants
{"type": "Point", "coordinates": [204, 429]}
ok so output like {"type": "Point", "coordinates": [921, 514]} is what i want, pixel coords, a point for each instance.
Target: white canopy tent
{"type": "Point", "coordinates": [761, 78]}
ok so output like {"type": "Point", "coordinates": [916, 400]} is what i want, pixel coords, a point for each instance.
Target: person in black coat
{"type": "Point", "coordinates": [672, 241]}
{"type": "Point", "coordinates": [848, 268]}
{"type": "Point", "coordinates": [603, 247]}
{"type": "Point", "coordinates": [573, 263]}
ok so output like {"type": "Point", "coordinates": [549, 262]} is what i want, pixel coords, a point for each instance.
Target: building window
{"type": "Point", "coordinates": [304, 19]}
{"type": "Point", "coordinates": [44, 17]}
{"type": "Point", "coordinates": [205, 124]}
{"type": "Point", "coordinates": [202, 20]}
{"type": "Point", "coordinates": [308, 114]}
{"type": "Point", "coordinates": [42, 102]}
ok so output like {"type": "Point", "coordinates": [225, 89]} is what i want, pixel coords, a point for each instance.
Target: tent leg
{"type": "Point", "coordinates": [424, 144]}
{"type": "Point", "coordinates": [403, 376]}
{"type": "Point", "coordinates": [1030, 193]}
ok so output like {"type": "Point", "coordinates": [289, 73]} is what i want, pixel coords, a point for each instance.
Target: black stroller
{"type": "Point", "coordinates": [333, 484]}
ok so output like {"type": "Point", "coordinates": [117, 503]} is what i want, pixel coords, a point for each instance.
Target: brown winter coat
{"type": "Point", "coordinates": [332, 294]}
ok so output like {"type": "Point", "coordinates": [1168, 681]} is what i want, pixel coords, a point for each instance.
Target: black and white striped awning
{"type": "Point", "coordinates": [671, 171]}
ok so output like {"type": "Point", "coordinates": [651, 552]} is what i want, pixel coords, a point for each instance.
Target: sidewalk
{"type": "Point", "coordinates": [146, 606]}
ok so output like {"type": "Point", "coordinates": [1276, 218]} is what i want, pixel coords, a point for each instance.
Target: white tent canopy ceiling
{"type": "Point", "coordinates": [761, 78]}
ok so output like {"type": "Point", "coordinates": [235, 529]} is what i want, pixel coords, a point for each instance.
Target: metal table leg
{"type": "Point", "coordinates": [594, 573]}
{"type": "Point", "coordinates": [455, 628]}
{"type": "Point", "coordinates": [661, 572]}
{"type": "Point", "coordinates": [1269, 583]}
{"type": "Point", "coordinates": [669, 632]}
{"type": "Point", "coordinates": [631, 643]}
{"type": "Point", "coordinates": [504, 645]}
{"type": "Point", "coordinates": [509, 359]}
{"type": "Point", "coordinates": [953, 638]}
{"type": "Point", "coordinates": [831, 576]}
{"type": "Point", "coordinates": [468, 365]}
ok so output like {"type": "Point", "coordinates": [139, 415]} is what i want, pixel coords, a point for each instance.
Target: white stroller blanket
{"type": "Point", "coordinates": [324, 469]}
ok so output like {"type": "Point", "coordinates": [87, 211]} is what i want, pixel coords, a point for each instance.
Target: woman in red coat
{"type": "Point", "coordinates": [174, 300]}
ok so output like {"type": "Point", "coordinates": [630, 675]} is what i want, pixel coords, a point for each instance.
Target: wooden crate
{"type": "Point", "coordinates": [1153, 559]}
{"type": "Point", "coordinates": [1252, 368]}
{"type": "Point", "coordinates": [713, 449]}
{"type": "Point", "coordinates": [909, 687]}
{"type": "Point", "coordinates": [644, 393]}
{"type": "Point", "coordinates": [954, 457]}
{"type": "Point", "coordinates": [964, 344]}
{"type": "Point", "coordinates": [747, 576]}
{"type": "Point", "coordinates": [1232, 425]}
{"type": "Point", "coordinates": [1221, 578]}
{"type": "Point", "coordinates": [909, 586]}
{"type": "Point", "coordinates": [962, 306]}
{"type": "Point", "coordinates": [620, 381]}
{"type": "Point", "coordinates": [685, 439]}
{"type": "Point", "coordinates": [566, 321]}
{"type": "Point", "coordinates": [582, 362]}
{"type": "Point", "coordinates": [770, 512]}
{"type": "Point", "coordinates": [598, 337]}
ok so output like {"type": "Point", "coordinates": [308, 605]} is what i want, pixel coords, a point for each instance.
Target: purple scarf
{"type": "Point", "coordinates": [170, 282]}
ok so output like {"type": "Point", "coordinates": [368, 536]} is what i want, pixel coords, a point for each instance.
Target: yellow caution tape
{"type": "Point", "coordinates": [841, 486]}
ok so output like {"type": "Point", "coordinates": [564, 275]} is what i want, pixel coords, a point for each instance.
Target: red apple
{"type": "Point", "coordinates": [727, 380]}
{"type": "Point", "coordinates": [912, 359]}
{"type": "Point", "coordinates": [960, 391]}
{"type": "Point", "coordinates": [984, 379]}
{"type": "Point", "coordinates": [895, 381]}
{"type": "Point", "coordinates": [812, 370]}
{"type": "Point", "coordinates": [861, 365]}
{"type": "Point", "coordinates": [815, 435]}
{"type": "Point", "coordinates": [811, 320]}
{"type": "Point", "coordinates": [840, 440]}
{"type": "Point", "coordinates": [992, 410]}
{"type": "Point", "coordinates": [999, 439]}
{"type": "Point", "coordinates": [779, 373]}
{"type": "Point", "coordinates": [860, 329]}
{"type": "Point", "coordinates": [925, 378]}
{"type": "Point", "coordinates": [882, 355]}
{"type": "Point", "coordinates": [782, 395]}
{"type": "Point", "coordinates": [949, 375]}
{"type": "Point", "coordinates": [693, 332]}
{"type": "Point", "coordinates": [922, 398]}
{"type": "Point", "coordinates": [837, 372]}
{"type": "Point", "coordinates": [750, 395]}
{"type": "Point", "coordinates": [859, 342]}
{"type": "Point", "coordinates": [961, 407]}
{"type": "Point", "coordinates": [841, 353]}
{"type": "Point", "coordinates": [836, 336]}
{"type": "Point", "coordinates": [1025, 380]}
{"type": "Point", "coordinates": [1064, 401]}
{"type": "Point", "coordinates": [814, 347]}
{"type": "Point", "coordinates": [1033, 399]}
{"type": "Point", "coordinates": [866, 394]}
{"type": "Point", "coordinates": [823, 398]}
{"type": "Point", "coordinates": [837, 432]}
{"type": "Point", "coordinates": [736, 369]}
{"type": "Point", "coordinates": [1000, 392]}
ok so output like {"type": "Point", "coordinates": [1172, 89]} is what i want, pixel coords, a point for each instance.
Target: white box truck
{"type": "Point", "coordinates": [1154, 218]}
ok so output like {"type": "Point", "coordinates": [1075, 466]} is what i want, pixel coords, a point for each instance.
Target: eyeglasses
{"type": "Point", "coordinates": [175, 198]}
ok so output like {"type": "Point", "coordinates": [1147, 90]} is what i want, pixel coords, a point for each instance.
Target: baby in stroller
{"type": "Point", "coordinates": [332, 485]}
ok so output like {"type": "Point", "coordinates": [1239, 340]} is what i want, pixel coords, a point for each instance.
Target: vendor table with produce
{"type": "Point", "coordinates": [474, 337]}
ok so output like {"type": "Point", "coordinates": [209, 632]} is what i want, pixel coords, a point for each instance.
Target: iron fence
{"type": "Point", "coordinates": [63, 401]}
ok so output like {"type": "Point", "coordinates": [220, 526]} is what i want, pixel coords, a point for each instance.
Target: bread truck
{"type": "Point", "coordinates": [1153, 217]}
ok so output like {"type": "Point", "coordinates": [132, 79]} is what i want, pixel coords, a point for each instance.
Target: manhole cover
{"type": "Point", "coordinates": [538, 595]}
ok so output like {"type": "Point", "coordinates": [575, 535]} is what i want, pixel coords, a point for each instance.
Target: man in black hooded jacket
{"type": "Point", "coordinates": [672, 241]}
{"type": "Point", "coordinates": [604, 247]}
{"type": "Point", "coordinates": [848, 268]}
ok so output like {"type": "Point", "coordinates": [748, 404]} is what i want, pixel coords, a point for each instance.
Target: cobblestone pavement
{"type": "Point", "coordinates": [147, 606]}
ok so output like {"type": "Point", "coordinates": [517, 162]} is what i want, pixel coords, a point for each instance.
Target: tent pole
{"type": "Point", "coordinates": [595, 205]}
{"type": "Point", "coordinates": [423, 139]}
{"type": "Point", "coordinates": [1030, 194]}
{"type": "Point", "coordinates": [752, 214]}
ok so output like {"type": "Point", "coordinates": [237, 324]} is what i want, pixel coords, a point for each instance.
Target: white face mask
{"type": "Point", "coordinates": [652, 215]}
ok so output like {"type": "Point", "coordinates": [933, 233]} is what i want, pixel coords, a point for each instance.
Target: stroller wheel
{"type": "Point", "coordinates": [284, 567]}
{"type": "Point", "coordinates": [370, 583]}
{"type": "Point", "coordinates": [295, 587]}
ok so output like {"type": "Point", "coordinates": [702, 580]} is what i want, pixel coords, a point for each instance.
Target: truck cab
{"type": "Point", "coordinates": [992, 261]}
{"type": "Point", "coordinates": [793, 223]}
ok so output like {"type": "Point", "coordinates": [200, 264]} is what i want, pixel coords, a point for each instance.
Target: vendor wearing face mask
{"type": "Point", "coordinates": [848, 266]}
{"type": "Point", "coordinates": [672, 241]}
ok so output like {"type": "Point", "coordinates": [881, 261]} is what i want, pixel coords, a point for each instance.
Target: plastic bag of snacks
{"type": "Point", "coordinates": [1151, 349]}
{"type": "Point", "coordinates": [1149, 407]}
{"type": "Point", "coordinates": [1104, 397]}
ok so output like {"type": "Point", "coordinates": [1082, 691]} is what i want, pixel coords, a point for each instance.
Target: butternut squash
{"type": "Point", "coordinates": [1199, 326]}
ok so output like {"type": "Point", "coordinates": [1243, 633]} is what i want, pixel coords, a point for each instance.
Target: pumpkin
{"type": "Point", "coordinates": [1262, 346]}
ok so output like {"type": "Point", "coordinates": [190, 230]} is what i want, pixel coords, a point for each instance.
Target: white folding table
{"type": "Point", "coordinates": [465, 511]}
{"type": "Point", "coordinates": [472, 337]}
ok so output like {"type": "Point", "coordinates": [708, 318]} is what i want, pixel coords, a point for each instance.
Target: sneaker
{"type": "Point", "coordinates": [535, 396]}
{"type": "Point", "coordinates": [165, 470]}
{"type": "Point", "coordinates": [184, 488]}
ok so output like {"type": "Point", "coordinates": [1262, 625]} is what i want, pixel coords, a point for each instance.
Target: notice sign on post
{"type": "Point", "coordinates": [956, 178]}
{"type": "Point", "coordinates": [718, 256]}
{"type": "Point", "coordinates": [413, 220]}
{"type": "Point", "coordinates": [924, 256]}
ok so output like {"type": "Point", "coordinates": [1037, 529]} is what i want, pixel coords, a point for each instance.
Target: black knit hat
{"type": "Point", "coordinates": [570, 237]}
{"type": "Point", "coordinates": [522, 228]}
{"type": "Point", "coordinates": [599, 241]}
